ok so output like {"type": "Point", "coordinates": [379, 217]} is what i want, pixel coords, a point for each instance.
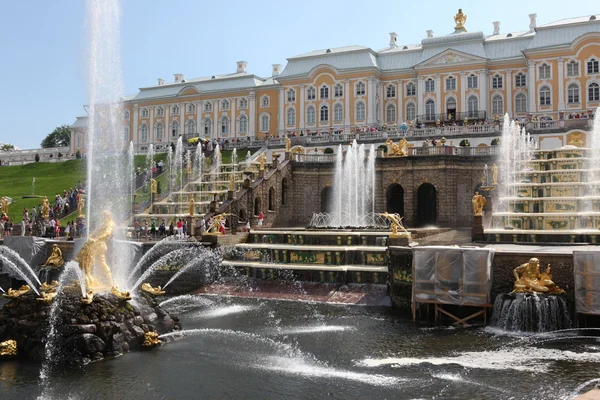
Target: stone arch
{"type": "Point", "coordinates": [256, 206]}
{"type": "Point", "coordinates": [242, 215]}
{"type": "Point", "coordinates": [327, 199]}
{"type": "Point", "coordinates": [271, 199]}
{"type": "Point", "coordinates": [395, 199]}
{"type": "Point", "coordinates": [284, 190]}
{"type": "Point", "coordinates": [426, 205]}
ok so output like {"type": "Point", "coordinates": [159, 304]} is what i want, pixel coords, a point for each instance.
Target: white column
{"type": "Point", "coordinates": [181, 118]}
{"type": "Point", "coordinates": [199, 118]}
{"type": "Point", "coordinates": [484, 93]}
{"type": "Point", "coordinates": [371, 101]}
{"type": "Point", "coordinates": [420, 92]}
{"type": "Point", "coordinates": [300, 110]}
{"type": "Point", "coordinates": [560, 64]}
{"type": "Point", "coordinates": [381, 103]}
{"type": "Point", "coordinates": [438, 94]}
{"type": "Point", "coordinates": [509, 95]}
{"type": "Point", "coordinates": [281, 112]}
{"type": "Point", "coordinates": [347, 105]}
{"type": "Point", "coordinates": [216, 105]}
{"type": "Point", "coordinates": [232, 123]}
{"type": "Point", "coordinates": [136, 138]}
{"type": "Point", "coordinates": [168, 132]}
{"type": "Point", "coordinates": [252, 119]}
{"type": "Point", "coordinates": [400, 96]}
{"type": "Point", "coordinates": [463, 93]}
{"type": "Point", "coordinates": [531, 92]}
{"type": "Point", "coordinates": [151, 138]}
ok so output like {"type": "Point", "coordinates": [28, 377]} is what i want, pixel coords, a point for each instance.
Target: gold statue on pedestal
{"type": "Point", "coordinates": [13, 294]}
{"type": "Point", "coordinates": [460, 19]}
{"type": "Point", "coordinates": [151, 339]}
{"type": "Point", "coordinates": [494, 174]}
{"type": "Point", "coordinates": [94, 252]}
{"type": "Point", "coordinates": [5, 203]}
{"type": "Point", "coordinates": [529, 279]}
{"type": "Point", "coordinates": [8, 348]}
{"type": "Point", "coordinates": [397, 150]}
{"type": "Point", "coordinates": [49, 287]}
{"type": "Point", "coordinates": [288, 144]}
{"type": "Point", "coordinates": [55, 260]}
{"type": "Point", "coordinates": [215, 226]}
{"type": "Point", "coordinates": [262, 159]}
{"type": "Point", "coordinates": [192, 204]}
{"type": "Point", "coordinates": [396, 224]}
{"type": "Point", "coordinates": [154, 291]}
{"type": "Point", "coordinates": [80, 204]}
{"type": "Point", "coordinates": [154, 186]}
{"type": "Point", "coordinates": [45, 207]}
{"type": "Point", "coordinates": [232, 182]}
{"type": "Point", "coordinates": [478, 203]}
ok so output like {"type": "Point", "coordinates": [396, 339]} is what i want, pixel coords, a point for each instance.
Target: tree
{"type": "Point", "coordinates": [59, 137]}
{"type": "Point", "coordinates": [7, 147]}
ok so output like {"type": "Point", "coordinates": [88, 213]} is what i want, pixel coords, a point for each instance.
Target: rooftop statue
{"type": "Point", "coordinates": [56, 258]}
{"type": "Point", "coordinates": [94, 252]}
{"type": "Point", "coordinates": [529, 279]}
{"type": "Point", "coordinates": [460, 19]}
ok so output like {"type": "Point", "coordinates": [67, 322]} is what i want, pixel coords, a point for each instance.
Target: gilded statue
{"type": "Point", "coordinates": [298, 150]}
{"type": "Point", "coordinates": [262, 159]}
{"type": "Point", "coordinates": [46, 208]}
{"type": "Point", "coordinates": [397, 150]}
{"type": "Point", "coordinates": [13, 294]}
{"type": "Point", "coordinates": [47, 297]}
{"type": "Point", "coordinates": [528, 279]}
{"type": "Point", "coordinates": [89, 297]}
{"type": "Point", "coordinates": [154, 185]}
{"type": "Point", "coordinates": [576, 139]}
{"type": "Point", "coordinates": [215, 226]}
{"type": "Point", "coordinates": [94, 252]}
{"type": "Point", "coordinates": [155, 291]}
{"type": "Point", "coordinates": [49, 287]}
{"type": "Point", "coordinates": [396, 224]}
{"type": "Point", "coordinates": [192, 203]}
{"type": "Point", "coordinates": [460, 19]}
{"type": "Point", "coordinates": [55, 259]}
{"type": "Point", "coordinates": [5, 203]}
{"type": "Point", "coordinates": [80, 204]}
{"type": "Point", "coordinates": [232, 182]}
{"type": "Point", "coordinates": [288, 144]}
{"type": "Point", "coordinates": [8, 348]}
{"type": "Point", "coordinates": [494, 174]}
{"type": "Point", "coordinates": [478, 203]}
{"type": "Point", "coordinates": [151, 339]}
{"type": "Point", "coordinates": [121, 295]}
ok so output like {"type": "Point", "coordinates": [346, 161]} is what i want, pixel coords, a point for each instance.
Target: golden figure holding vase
{"type": "Point", "coordinates": [478, 203]}
{"type": "Point", "coordinates": [529, 279]}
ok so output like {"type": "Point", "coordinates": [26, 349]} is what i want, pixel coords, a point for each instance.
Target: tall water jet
{"type": "Point", "coordinates": [179, 162]}
{"type": "Point", "coordinates": [131, 162]}
{"type": "Point", "coordinates": [593, 175]}
{"type": "Point", "coordinates": [149, 167]}
{"type": "Point", "coordinates": [171, 169]}
{"type": "Point", "coordinates": [216, 162]}
{"type": "Point", "coordinates": [234, 159]}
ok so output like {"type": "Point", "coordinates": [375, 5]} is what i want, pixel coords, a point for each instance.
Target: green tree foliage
{"type": "Point", "coordinates": [7, 147]}
{"type": "Point", "coordinates": [59, 137]}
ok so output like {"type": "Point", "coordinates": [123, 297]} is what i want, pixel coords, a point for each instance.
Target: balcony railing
{"type": "Point", "coordinates": [449, 117]}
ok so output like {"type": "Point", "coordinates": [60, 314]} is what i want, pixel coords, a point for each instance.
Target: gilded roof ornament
{"type": "Point", "coordinates": [460, 20]}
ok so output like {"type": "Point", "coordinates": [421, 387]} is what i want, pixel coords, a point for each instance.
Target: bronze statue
{"type": "Point", "coordinates": [529, 279]}
{"type": "Point", "coordinates": [151, 339]}
{"type": "Point", "coordinates": [154, 186]}
{"type": "Point", "coordinates": [5, 203]}
{"type": "Point", "coordinates": [460, 19]}
{"type": "Point", "coordinates": [13, 294]}
{"type": "Point", "coordinates": [397, 150]}
{"type": "Point", "coordinates": [478, 203]}
{"type": "Point", "coordinates": [45, 208]}
{"type": "Point", "coordinates": [8, 348]}
{"type": "Point", "coordinates": [94, 252]}
{"type": "Point", "coordinates": [154, 291]}
{"type": "Point", "coordinates": [56, 259]}
{"type": "Point", "coordinates": [494, 174]}
{"type": "Point", "coordinates": [80, 204]}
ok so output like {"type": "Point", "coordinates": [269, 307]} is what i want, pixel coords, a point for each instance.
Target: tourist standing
{"type": "Point", "coordinates": [202, 226]}
{"type": "Point", "coordinates": [67, 230]}
{"type": "Point", "coordinates": [179, 227]}
{"type": "Point", "coordinates": [52, 226]}
{"type": "Point", "coordinates": [261, 217]}
{"type": "Point", "coordinates": [23, 225]}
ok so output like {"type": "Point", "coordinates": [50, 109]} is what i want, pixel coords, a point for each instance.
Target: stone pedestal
{"type": "Point", "coordinates": [288, 155]}
{"type": "Point", "coordinates": [230, 195]}
{"type": "Point", "coordinates": [275, 162]}
{"type": "Point", "coordinates": [212, 207]}
{"type": "Point", "coordinates": [261, 174]}
{"type": "Point", "coordinates": [477, 229]}
{"type": "Point", "coordinates": [400, 239]}
{"type": "Point", "coordinates": [190, 225]}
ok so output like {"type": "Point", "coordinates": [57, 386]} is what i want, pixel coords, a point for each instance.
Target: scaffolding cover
{"type": "Point", "coordinates": [452, 275]}
{"type": "Point", "coordinates": [586, 266]}
{"type": "Point", "coordinates": [31, 248]}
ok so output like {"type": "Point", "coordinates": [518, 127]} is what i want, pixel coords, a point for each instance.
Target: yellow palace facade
{"type": "Point", "coordinates": [549, 71]}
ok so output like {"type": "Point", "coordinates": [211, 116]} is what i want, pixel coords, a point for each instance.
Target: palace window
{"type": "Point", "coordinates": [310, 115]}
{"type": "Point", "coordinates": [338, 90]}
{"type": "Point", "coordinates": [291, 95]}
{"type": "Point", "coordinates": [224, 125]}
{"type": "Point", "coordinates": [126, 115]}
{"type": "Point", "coordinates": [190, 128]}
{"type": "Point", "coordinates": [411, 112]}
{"type": "Point", "coordinates": [390, 91]}
{"type": "Point", "coordinates": [144, 113]}
{"type": "Point", "coordinates": [191, 108]}
{"type": "Point", "coordinates": [291, 116]}
{"type": "Point", "coordinates": [592, 66]}
{"type": "Point", "coordinates": [361, 111]}
{"type": "Point", "coordinates": [125, 134]}
{"type": "Point", "coordinates": [497, 82]}
{"type": "Point", "coordinates": [311, 93]}
{"type": "Point", "coordinates": [411, 90]}
{"type": "Point", "coordinates": [264, 101]}
{"type": "Point", "coordinates": [207, 126]}
{"type": "Point", "coordinates": [324, 92]}
{"type": "Point", "coordinates": [545, 96]}
{"type": "Point", "coordinates": [159, 131]}
{"type": "Point", "coordinates": [593, 92]}
{"type": "Point", "coordinates": [225, 105]}
{"type": "Point", "coordinates": [472, 107]}
{"type": "Point", "coordinates": [208, 107]}
{"type": "Point", "coordinates": [360, 89]}
{"type": "Point", "coordinates": [521, 103]}
{"type": "Point", "coordinates": [472, 81]}
{"type": "Point", "coordinates": [264, 123]}
{"type": "Point", "coordinates": [338, 113]}
{"type": "Point", "coordinates": [174, 129]}
{"type": "Point", "coordinates": [324, 114]}
{"type": "Point", "coordinates": [430, 110]}
{"type": "Point", "coordinates": [451, 83]}
{"type": "Point", "coordinates": [544, 70]}
{"type": "Point", "coordinates": [497, 105]}
{"type": "Point", "coordinates": [573, 94]}
{"type": "Point", "coordinates": [243, 123]}
{"type": "Point", "coordinates": [390, 113]}
{"type": "Point", "coordinates": [520, 80]}
{"type": "Point", "coordinates": [175, 110]}
{"type": "Point", "coordinates": [144, 132]}
{"type": "Point", "coordinates": [243, 103]}
{"type": "Point", "coordinates": [573, 68]}
{"type": "Point", "coordinates": [430, 85]}
{"type": "Point", "coordinates": [160, 112]}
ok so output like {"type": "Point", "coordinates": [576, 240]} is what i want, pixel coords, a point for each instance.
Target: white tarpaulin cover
{"type": "Point", "coordinates": [31, 248]}
{"type": "Point", "coordinates": [586, 266]}
{"type": "Point", "coordinates": [452, 275]}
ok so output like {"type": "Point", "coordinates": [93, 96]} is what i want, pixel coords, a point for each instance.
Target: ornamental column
{"type": "Point", "coordinates": [371, 101]}
{"type": "Point", "coordinates": [301, 109]}
{"type": "Point", "coordinates": [151, 138]}
{"type": "Point", "coordinates": [484, 91]}
{"type": "Point", "coordinates": [199, 118]}
{"type": "Point", "coordinates": [509, 96]}
{"type": "Point", "coordinates": [531, 86]}
{"type": "Point", "coordinates": [181, 119]}
{"type": "Point", "coordinates": [281, 126]}
{"type": "Point", "coordinates": [347, 126]}
{"type": "Point", "coordinates": [252, 126]}
{"type": "Point", "coordinates": [463, 94]}
{"type": "Point", "coordinates": [420, 91]}
{"type": "Point", "coordinates": [381, 116]}
{"type": "Point", "coordinates": [438, 95]}
{"type": "Point", "coordinates": [216, 105]}
{"type": "Point", "coordinates": [232, 123]}
{"type": "Point", "coordinates": [400, 93]}
{"type": "Point", "coordinates": [560, 63]}
{"type": "Point", "coordinates": [169, 137]}
{"type": "Point", "coordinates": [136, 138]}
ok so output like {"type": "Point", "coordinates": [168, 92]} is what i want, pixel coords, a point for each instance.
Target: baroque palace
{"type": "Point", "coordinates": [548, 72]}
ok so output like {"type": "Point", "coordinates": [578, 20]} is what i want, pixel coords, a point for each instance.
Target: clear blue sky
{"type": "Point", "coordinates": [43, 42]}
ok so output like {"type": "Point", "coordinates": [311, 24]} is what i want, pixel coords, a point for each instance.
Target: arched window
{"type": "Point", "coordinates": [190, 128]}
{"type": "Point", "coordinates": [207, 106]}
{"type": "Point", "coordinates": [593, 92]}
{"type": "Point", "coordinates": [175, 110]}
{"type": "Point", "coordinates": [451, 107]}
{"type": "Point", "coordinates": [324, 114]}
{"type": "Point", "coordinates": [264, 123]}
{"type": "Point", "coordinates": [264, 101]}
{"type": "Point", "coordinates": [283, 191]}
{"type": "Point", "coordinates": [472, 81]}
{"type": "Point", "coordinates": [144, 113]}
{"type": "Point", "coordinates": [243, 122]}
{"type": "Point", "coordinates": [390, 91]}
{"type": "Point", "coordinates": [573, 93]}
{"type": "Point", "coordinates": [207, 124]}
{"type": "Point", "coordinates": [411, 90]}
{"type": "Point", "coordinates": [174, 129]}
{"type": "Point", "coordinates": [126, 115]}
{"type": "Point", "coordinates": [361, 111]}
{"type": "Point", "coordinates": [311, 93]}
{"type": "Point", "coordinates": [430, 110]}
{"type": "Point", "coordinates": [338, 90]}
{"type": "Point", "coordinates": [450, 83]}
{"type": "Point", "coordinates": [160, 112]}
{"type": "Point", "coordinates": [159, 131]}
{"type": "Point", "coordinates": [497, 105]}
{"type": "Point", "coordinates": [338, 113]}
{"type": "Point", "coordinates": [224, 126]}
{"type": "Point", "coordinates": [360, 89]}
{"type": "Point", "coordinates": [390, 113]}
{"type": "Point", "coordinates": [310, 115]}
{"type": "Point", "coordinates": [225, 105]}
{"type": "Point", "coordinates": [411, 112]}
{"type": "Point", "coordinates": [592, 66]}
{"type": "Point", "coordinates": [572, 68]}
{"type": "Point", "coordinates": [497, 82]}
{"type": "Point", "coordinates": [271, 199]}
{"type": "Point", "coordinates": [291, 116]}
{"type": "Point", "coordinates": [143, 132]}
{"type": "Point", "coordinates": [291, 95]}
{"type": "Point", "coordinates": [544, 71]}
{"type": "Point", "coordinates": [521, 103]}
{"type": "Point", "coordinates": [243, 103]}
{"type": "Point", "coordinates": [472, 107]}
{"type": "Point", "coordinates": [324, 92]}
{"type": "Point", "coordinates": [520, 80]}
{"type": "Point", "coordinates": [545, 96]}
{"type": "Point", "coordinates": [256, 206]}
{"type": "Point", "coordinates": [191, 108]}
